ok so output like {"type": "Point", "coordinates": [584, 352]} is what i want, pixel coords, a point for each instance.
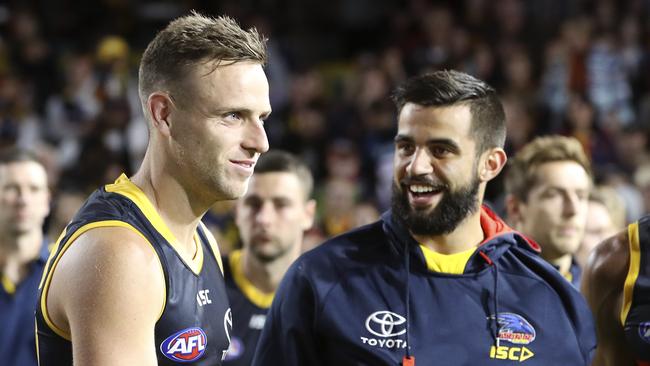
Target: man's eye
{"type": "Point", "coordinates": [233, 115]}
{"type": "Point", "coordinates": [439, 151]}
{"type": "Point", "coordinates": [406, 148]}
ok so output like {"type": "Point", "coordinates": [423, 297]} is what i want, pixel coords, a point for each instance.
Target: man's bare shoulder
{"type": "Point", "coordinates": [605, 272]}
{"type": "Point", "coordinates": [102, 271]}
{"type": "Point", "coordinates": [608, 263]}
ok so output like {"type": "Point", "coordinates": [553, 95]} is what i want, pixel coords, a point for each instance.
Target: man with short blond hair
{"type": "Point", "coordinates": [136, 278]}
{"type": "Point", "coordinates": [547, 186]}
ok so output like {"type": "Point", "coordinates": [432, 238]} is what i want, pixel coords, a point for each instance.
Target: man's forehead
{"type": "Point", "coordinates": [22, 168]}
{"type": "Point", "coordinates": [455, 119]}
{"type": "Point", "coordinates": [556, 173]}
{"type": "Point", "coordinates": [275, 183]}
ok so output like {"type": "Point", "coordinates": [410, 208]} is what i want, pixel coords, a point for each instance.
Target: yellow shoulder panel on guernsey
{"type": "Point", "coordinates": [633, 270]}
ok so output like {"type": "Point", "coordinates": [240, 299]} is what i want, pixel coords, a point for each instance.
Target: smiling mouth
{"type": "Point", "coordinates": [419, 190]}
{"type": "Point", "coordinates": [244, 163]}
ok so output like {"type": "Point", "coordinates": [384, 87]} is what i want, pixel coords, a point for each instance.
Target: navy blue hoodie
{"type": "Point", "coordinates": [359, 299]}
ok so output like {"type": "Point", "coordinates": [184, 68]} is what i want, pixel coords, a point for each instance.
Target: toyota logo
{"type": "Point", "coordinates": [385, 324]}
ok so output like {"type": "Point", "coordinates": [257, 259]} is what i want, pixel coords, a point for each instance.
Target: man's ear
{"type": "Point", "coordinates": [310, 214]}
{"type": "Point", "coordinates": [514, 210]}
{"type": "Point", "coordinates": [491, 163]}
{"type": "Point", "coordinates": [160, 108]}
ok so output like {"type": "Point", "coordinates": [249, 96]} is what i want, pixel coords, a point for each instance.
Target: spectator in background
{"type": "Point", "coordinates": [66, 202]}
{"type": "Point", "coordinates": [641, 180]}
{"type": "Point", "coordinates": [272, 217]}
{"type": "Point", "coordinates": [605, 217]}
{"type": "Point", "coordinates": [24, 204]}
{"type": "Point", "coordinates": [547, 192]}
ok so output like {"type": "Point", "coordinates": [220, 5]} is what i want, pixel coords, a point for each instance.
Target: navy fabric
{"type": "Point", "coordinates": [247, 322]}
{"type": "Point", "coordinates": [184, 310]}
{"type": "Point", "coordinates": [17, 338]}
{"type": "Point", "coordinates": [343, 303]}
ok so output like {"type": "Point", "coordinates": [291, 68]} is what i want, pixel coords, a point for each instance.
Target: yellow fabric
{"type": "Point", "coordinates": [446, 263]}
{"type": "Point", "coordinates": [633, 271]}
{"type": "Point", "coordinates": [213, 245]}
{"type": "Point", "coordinates": [47, 275]}
{"type": "Point", "coordinates": [8, 285]}
{"type": "Point", "coordinates": [126, 188]}
{"type": "Point", "coordinates": [260, 299]}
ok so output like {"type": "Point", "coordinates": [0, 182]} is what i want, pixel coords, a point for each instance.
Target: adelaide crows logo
{"type": "Point", "coordinates": [186, 345]}
{"type": "Point", "coordinates": [514, 328]}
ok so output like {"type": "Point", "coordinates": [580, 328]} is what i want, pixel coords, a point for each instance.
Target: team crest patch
{"type": "Point", "coordinates": [644, 331]}
{"type": "Point", "coordinates": [515, 329]}
{"type": "Point", "coordinates": [187, 345]}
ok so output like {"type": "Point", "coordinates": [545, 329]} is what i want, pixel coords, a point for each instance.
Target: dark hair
{"type": "Point", "coordinates": [18, 155]}
{"type": "Point", "coordinates": [279, 161]}
{"type": "Point", "coordinates": [446, 88]}
{"type": "Point", "coordinates": [191, 40]}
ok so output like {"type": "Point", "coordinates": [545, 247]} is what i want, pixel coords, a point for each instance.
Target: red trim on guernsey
{"type": "Point", "coordinates": [643, 363]}
{"type": "Point", "coordinates": [493, 226]}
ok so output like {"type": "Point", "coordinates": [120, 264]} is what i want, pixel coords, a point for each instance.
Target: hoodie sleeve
{"type": "Point", "coordinates": [288, 336]}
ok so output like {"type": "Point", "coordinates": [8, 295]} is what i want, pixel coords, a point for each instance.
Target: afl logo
{"type": "Point", "coordinates": [186, 345]}
{"type": "Point", "coordinates": [386, 324]}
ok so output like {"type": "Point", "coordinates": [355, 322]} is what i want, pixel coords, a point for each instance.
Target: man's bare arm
{"type": "Point", "coordinates": [602, 286]}
{"type": "Point", "coordinates": [108, 291]}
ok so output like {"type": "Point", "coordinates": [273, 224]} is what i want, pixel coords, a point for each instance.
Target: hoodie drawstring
{"type": "Point", "coordinates": [493, 264]}
{"type": "Point", "coordinates": [408, 360]}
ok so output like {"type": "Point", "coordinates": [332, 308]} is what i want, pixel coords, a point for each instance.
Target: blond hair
{"type": "Point", "coordinates": [192, 40]}
{"type": "Point", "coordinates": [521, 176]}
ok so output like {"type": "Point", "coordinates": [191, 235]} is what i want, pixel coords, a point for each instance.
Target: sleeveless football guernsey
{"type": "Point", "coordinates": [195, 323]}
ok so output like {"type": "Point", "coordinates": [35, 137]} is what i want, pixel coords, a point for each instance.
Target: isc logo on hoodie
{"type": "Point", "coordinates": [386, 329]}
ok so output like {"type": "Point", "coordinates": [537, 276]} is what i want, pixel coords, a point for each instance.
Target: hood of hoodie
{"type": "Point", "coordinates": [498, 239]}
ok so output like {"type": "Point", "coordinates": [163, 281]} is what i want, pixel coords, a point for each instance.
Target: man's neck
{"type": "Point", "coordinates": [468, 234]}
{"type": "Point", "coordinates": [175, 204]}
{"type": "Point", "coordinates": [562, 263]}
{"type": "Point", "coordinates": [18, 253]}
{"type": "Point", "coordinates": [265, 276]}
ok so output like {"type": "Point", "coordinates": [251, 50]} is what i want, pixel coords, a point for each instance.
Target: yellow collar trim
{"type": "Point", "coordinates": [253, 294]}
{"type": "Point", "coordinates": [126, 188]}
{"type": "Point", "coordinates": [446, 263]}
{"type": "Point", "coordinates": [8, 285]}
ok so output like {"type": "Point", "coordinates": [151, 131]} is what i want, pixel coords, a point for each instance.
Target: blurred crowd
{"type": "Point", "coordinates": [68, 87]}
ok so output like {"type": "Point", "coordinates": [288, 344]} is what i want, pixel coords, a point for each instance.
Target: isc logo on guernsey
{"type": "Point", "coordinates": [186, 345]}
{"type": "Point", "coordinates": [385, 324]}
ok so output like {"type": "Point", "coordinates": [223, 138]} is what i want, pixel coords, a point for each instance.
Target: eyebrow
{"type": "Point", "coordinates": [243, 110]}
{"type": "Point", "coordinates": [436, 141]}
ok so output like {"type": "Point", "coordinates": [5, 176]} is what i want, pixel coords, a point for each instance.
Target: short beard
{"type": "Point", "coordinates": [452, 209]}
{"type": "Point", "coordinates": [272, 257]}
